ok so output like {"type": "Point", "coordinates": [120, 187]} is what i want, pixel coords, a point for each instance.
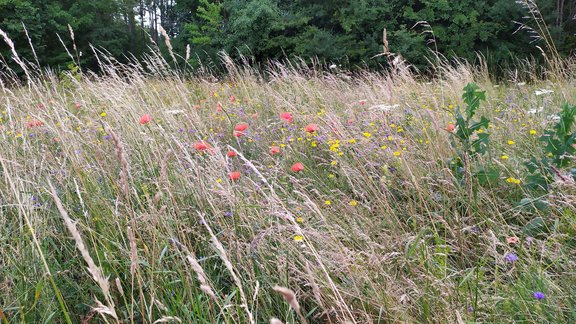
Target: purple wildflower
{"type": "Point", "coordinates": [511, 257]}
{"type": "Point", "coordinates": [538, 295]}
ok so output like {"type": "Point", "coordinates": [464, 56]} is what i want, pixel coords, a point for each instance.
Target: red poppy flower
{"type": "Point", "coordinates": [77, 105]}
{"type": "Point", "coordinates": [311, 128]}
{"type": "Point", "coordinates": [34, 123]}
{"type": "Point", "coordinates": [232, 98]}
{"type": "Point", "coordinates": [362, 102]}
{"type": "Point", "coordinates": [297, 167]}
{"type": "Point", "coordinates": [286, 116]}
{"type": "Point", "coordinates": [234, 176]}
{"type": "Point", "coordinates": [241, 127]}
{"type": "Point", "coordinates": [274, 150]}
{"type": "Point", "coordinates": [201, 146]}
{"type": "Point", "coordinates": [145, 119]}
{"type": "Point", "coordinates": [450, 127]}
{"type": "Point", "coordinates": [231, 154]}
{"type": "Point", "coordinates": [196, 106]}
{"type": "Point", "coordinates": [238, 134]}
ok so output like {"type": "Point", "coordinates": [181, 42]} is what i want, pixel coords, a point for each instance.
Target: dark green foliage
{"type": "Point", "coordinates": [107, 24]}
{"type": "Point", "coordinates": [559, 146]}
{"type": "Point", "coordinates": [560, 141]}
{"type": "Point", "coordinates": [347, 32]}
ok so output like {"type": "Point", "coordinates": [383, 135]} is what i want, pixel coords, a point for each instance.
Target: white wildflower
{"type": "Point", "coordinates": [384, 108]}
{"type": "Point", "coordinates": [535, 111]}
{"type": "Point", "coordinates": [541, 92]}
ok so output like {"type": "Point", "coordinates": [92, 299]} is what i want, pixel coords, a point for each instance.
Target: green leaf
{"type": "Point", "coordinates": [488, 175]}
{"type": "Point", "coordinates": [472, 98]}
{"type": "Point", "coordinates": [483, 123]}
{"type": "Point", "coordinates": [535, 227]}
{"type": "Point", "coordinates": [481, 144]}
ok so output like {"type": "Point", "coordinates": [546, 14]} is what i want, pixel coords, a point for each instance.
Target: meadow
{"type": "Point", "coordinates": [287, 194]}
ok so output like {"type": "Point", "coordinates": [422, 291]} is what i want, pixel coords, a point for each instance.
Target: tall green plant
{"type": "Point", "coordinates": [467, 128]}
{"type": "Point", "coordinates": [559, 146]}
{"type": "Point", "coordinates": [471, 137]}
{"type": "Point", "coordinates": [561, 140]}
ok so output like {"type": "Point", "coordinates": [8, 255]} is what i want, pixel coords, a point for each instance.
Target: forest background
{"type": "Point", "coordinates": [346, 33]}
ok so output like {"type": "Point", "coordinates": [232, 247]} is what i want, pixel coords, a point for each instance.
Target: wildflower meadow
{"type": "Point", "coordinates": [286, 194]}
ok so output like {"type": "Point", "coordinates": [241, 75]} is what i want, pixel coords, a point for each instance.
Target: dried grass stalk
{"type": "Point", "coordinates": [119, 148]}
{"type": "Point", "coordinates": [222, 254]}
{"type": "Point", "coordinates": [133, 251]}
{"type": "Point", "coordinates": [93, 269]}
{"type": "Point", "coordinates": [315, 288]}
{"type": "Point", "coordinates": [197, 268]}
{"type": "Point", "coordinates": [290, 297]}
{"type": "Point", "coordinates": [168, 319]}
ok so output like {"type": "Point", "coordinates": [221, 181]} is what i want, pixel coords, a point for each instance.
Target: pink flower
{"type": "Point", "coordinates": [286, 116]}
{"type": "Point", "coordinates": [311, 128]}
{"type": "Point", "coordinates": [34, 123]}
{"type": "Point", "coordinates": [297, 167]}
{"type": "Point", "coordinates": [234, 176]}
{"type": "Point", "coordinates": [201, 146]}
{"type": "Point", "coordinates": [274, 150]}
{"type": "Point", "coordinates": [145, 119]}
{"type": "Point", "coordinates": [241, 127]}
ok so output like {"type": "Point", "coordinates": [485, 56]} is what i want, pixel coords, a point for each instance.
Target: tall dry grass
{"type": "Point", "coordinates": [361, 235]}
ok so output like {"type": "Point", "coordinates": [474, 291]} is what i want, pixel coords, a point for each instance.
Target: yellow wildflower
{"type": "Point", "coordinates": [513, 180]}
